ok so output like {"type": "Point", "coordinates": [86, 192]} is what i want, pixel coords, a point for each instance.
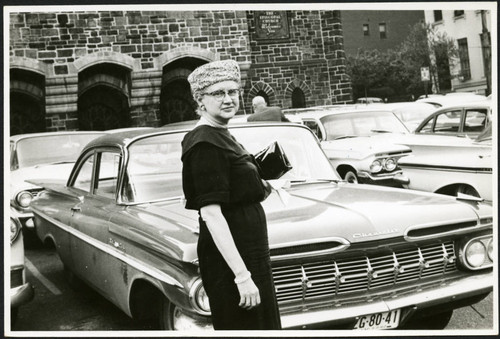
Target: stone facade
{"type": "Point", "coordinates": [113, 69]}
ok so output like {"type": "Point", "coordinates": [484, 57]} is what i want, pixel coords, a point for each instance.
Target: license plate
{"type": "Point", "coordinates": [378, 321]}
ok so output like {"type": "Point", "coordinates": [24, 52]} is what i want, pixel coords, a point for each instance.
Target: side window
{"type": "Point", "coordinates": [313, 125]}
{"type": "Point", "coordinates": [448, 122]}
{"type": "Point", "coordinates": [84, 176]}
{"type": "Point", "coordinates": [475, 120]}
{"type": "Point", "coordinates": [427, 128]}
{"type": "Point", "coordinates": [107, 174]}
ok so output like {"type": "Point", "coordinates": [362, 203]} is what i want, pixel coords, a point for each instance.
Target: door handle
{"type": "Point", "coordinates": [75, 209]}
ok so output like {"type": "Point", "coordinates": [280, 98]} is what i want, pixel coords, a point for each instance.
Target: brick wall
{"type": "Point", "coordinates": [62, 44]}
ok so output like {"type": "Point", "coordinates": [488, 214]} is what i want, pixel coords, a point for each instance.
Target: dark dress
{"type": "Point", "coordinates": [218, 170]}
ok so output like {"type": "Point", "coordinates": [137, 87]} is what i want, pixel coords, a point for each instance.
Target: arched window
{"type": "Point", "coordinates": [103, 102]}
{"type": "Point", "coordinates": [176, 101]}
{"type": "Point", "coordinates": [27, 102]}
{"type": "Point", "coordinates": [298, 98]}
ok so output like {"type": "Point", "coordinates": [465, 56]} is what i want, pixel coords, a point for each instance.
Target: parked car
{"type": "Point", "coordinates": [343, 255]}
{"type": "Point", "coordinates": [369, 100]}
{"type": "Point", "coordinates": [411, 113]}
{"type": "Point", "coordinates": [453, 169]}
{"type": "Point", "coordinates": [21, 291]}
{"type": "Point", "coordinates": [461, 119]}
{"type": "Point", "coordinates": [40, 155]}
{"type": "Point", "coordinates": [452, 99]}
{"type": "Point", "coordinates": [345, 136]}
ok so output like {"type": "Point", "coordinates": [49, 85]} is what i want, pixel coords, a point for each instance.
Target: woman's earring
{"type": "Point", "coordinates": [202, 107]}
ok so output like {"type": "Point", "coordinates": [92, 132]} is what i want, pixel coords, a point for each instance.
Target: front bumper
{"type": "Point", "coordinates": [25, 217]}
{"type": "Point", "coordinates": [446, 293]}
{"type": "Point", "coordinates": [20, 295]}
{"type": "Point", "coordinates": [397, 177]}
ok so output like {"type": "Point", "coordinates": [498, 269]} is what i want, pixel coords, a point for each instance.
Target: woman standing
{"type": "Point", "coordinates": [221, 181]}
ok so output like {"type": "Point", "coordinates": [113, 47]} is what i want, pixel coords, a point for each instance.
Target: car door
{"type": "Point", "coordinates": [93, 251]}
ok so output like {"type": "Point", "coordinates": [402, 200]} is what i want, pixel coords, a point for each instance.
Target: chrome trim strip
{"type": "Point", "coordinates": [456, 290]}
{"type": "Point", "coordinates": [344, 245]}
{"type": "Point", "coordinates": [107, 248]}
{"type": "Point", "coordinates": [478, 226]}
{"type": "Point", "coordinates": [479, 170]}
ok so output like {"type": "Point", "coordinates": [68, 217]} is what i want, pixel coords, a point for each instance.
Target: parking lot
{"type": "Point", "coordinates": [62, 306]}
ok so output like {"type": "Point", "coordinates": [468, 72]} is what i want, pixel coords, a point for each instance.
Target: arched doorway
{"type": "Point", "coordinates": [27, 102]}
{"type": "Point", "coordinates": [298, 98]}
{"type": "Point", "coordinates": [176, 101]}
{"type": "Point", "coordinates": [103, 101]}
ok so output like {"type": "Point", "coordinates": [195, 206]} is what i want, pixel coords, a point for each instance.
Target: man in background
{"type": "Point", "coordinates": [264, 113]}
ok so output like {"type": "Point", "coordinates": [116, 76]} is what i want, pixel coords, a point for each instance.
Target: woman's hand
{"type": "Point", "coordinates": [249, 294]}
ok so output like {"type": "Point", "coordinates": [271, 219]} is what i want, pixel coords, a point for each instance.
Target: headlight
{"type": "Point", "coordinates": [475, 253]}
{"type": "Point", "coordinates": [15, 229]}
{"type": "Point", "coordinates": [24, 198]}
{"type": "Point", "coordinates": [199, 298]}
{"type": "Point", "coordinates": [490, 249]}
{"type": "Point", "coordinates": [376, 166]}
{"type": "Point", "coordinates": [390, 164]}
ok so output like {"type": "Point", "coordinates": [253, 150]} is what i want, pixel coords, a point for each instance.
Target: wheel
{"type": "Point", "coordinates": [351, 177]}
{"type": "Point", "coordinates": [166, 314]}
{"type": "Point", "coordinates": [432, 322]}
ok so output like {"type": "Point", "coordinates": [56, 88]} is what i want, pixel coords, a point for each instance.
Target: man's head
{"type": "Point", "coordinates": [258, 102]}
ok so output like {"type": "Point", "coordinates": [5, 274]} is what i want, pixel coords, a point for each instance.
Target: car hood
{"type": "Point", "coordinates": [18, 177]}
{"type": "Point", "coordinates": [361, 147]}
{"type": "Point", "coordinates": [355, 213]}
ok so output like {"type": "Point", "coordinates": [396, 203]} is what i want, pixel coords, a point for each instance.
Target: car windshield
{"type": "Point", "coordinates": [359, 124]}
{"type": "Point", "coordinates": [49, 149]}
{"type": "Point", "coordinates": [414, 112]}
{"type": "Point", "coordinates": [154, 169]}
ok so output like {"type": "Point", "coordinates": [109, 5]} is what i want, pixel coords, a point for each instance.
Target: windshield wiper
{"type": "Point", "coordinates": [380, 131]}
{"type": "Point", "coordinates": [345, 137]}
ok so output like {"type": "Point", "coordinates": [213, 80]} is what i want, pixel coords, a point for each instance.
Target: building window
{"type": "Point", "coordinates": [382, 30]}
{"type": "Point", "coordinates": [463, 52]}
{"type": "Point", "coordinates": [458, 13]}
{"type": "Point", "coordinates": [438, 16]}
{"type": "Point", "coordinates": [366, 29]}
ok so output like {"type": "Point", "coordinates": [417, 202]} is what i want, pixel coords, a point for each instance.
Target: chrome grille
{"type": "Point", "coordinates": [328, 279]}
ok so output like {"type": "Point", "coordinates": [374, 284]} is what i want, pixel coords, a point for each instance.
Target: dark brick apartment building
{"type": "Point", "coordinates": [97, 70]}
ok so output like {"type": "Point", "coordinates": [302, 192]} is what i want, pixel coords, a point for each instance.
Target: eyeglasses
{"type": "Point", "coordinates": [219, 95]}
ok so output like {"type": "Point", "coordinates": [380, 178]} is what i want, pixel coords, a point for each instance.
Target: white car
{"type": "Point", "coordinates": [452, 99]}
{"type": "Point", "coordinates": [47, 155]}
{"type": "Point", "coordinates": [345, 136]}
{"type": "Point", "coordinates": [453, 168]}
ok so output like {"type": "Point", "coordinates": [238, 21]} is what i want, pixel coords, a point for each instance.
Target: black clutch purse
{"type": "Point", "coordinates": [272, 162]}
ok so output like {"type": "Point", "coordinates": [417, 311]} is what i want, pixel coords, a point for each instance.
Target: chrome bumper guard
{"type": "Point", "coordinates": [395, 176]}
{"type": "Point", "coordinates": [451, 292]}
{"type": "Point", "coordinates": [21, 295]}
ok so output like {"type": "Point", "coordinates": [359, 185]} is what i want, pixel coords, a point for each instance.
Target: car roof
{"type": "Point", "coordinates": [318, 112]}
{"type": "Point", "coordinates": [474, 104]}
{"type": "Point", "coordinates": [125, 138]}
{"type": "Point", "coordinates": [17, 137]}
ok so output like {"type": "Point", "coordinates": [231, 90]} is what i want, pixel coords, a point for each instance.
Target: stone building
{"type": "Point", "coordinates": [98, 70]}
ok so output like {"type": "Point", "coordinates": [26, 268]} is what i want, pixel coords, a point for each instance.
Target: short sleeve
{"type": "Point", "coordinates": [206, 174]}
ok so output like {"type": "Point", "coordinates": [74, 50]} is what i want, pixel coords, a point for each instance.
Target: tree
{"type": "Point", "coordinates": [396, 73]}
{"type": "Point", "coordinates": [426, 47]}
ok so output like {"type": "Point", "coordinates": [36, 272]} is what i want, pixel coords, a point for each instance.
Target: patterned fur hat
{"type": "Point", "coordinates": [212, 73]}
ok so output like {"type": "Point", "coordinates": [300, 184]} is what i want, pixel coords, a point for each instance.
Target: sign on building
{"type": "Point", "coordinates": [271, 25]}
